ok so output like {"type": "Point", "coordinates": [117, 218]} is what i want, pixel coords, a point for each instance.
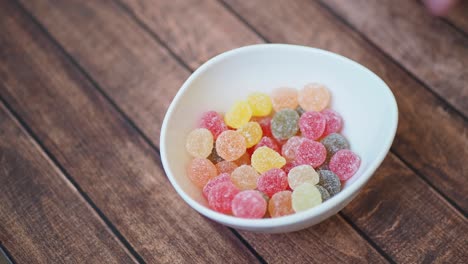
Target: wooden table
{"type": "Point", "coordinates": [84, 86]}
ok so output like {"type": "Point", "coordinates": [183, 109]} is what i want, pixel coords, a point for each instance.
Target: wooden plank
{"type": "Point", "coordinates": [429, 48]}
{"type": "Point", "coordinates": [66, 23]}
{"type": "Point", "coordinates": [43, 218]}
{"type": "Point", "coordinates": [102, 152]}
{"type": "Point", "coordinates": [458, 16]}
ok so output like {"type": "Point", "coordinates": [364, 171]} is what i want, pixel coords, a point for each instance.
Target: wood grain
{"type": "Point", "coordinates": [459, 16]}
{"type": "Point", "coordinates": [428, 47]}
{"type": "Point", "coordinates": [102, 152]}
{"type": "Point", "coordinates": [66, 28]}
{"type": "Point", "coordinates": [43, 218]}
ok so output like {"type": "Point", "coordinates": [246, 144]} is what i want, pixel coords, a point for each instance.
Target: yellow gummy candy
{"type": "Point", "coordinates": [305, 196]}
{"type": "Point", "coordinates": [252, 132]}
{"type": "Point", "coordinates": [264, 159]}
{"type": "Point", "coordinates": [239, 114]}
{"type": "Point", "coordinates": [260, 104]}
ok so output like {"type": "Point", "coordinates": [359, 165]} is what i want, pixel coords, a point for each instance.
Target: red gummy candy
{"type": "Point", "coordinates": [334, 122]}
{"type": "Point", "coordinates": [221, 195]}
{"type": "Point", "coordinates": [265, 124]}
{"type": "Point", "coordinates": [289, 165]}
{"type": "Point", "coordinates": [312, 125]}
{"type": "Point", "coordinates": [223, 177]}
{"type": "Point", "coordinates": [268, 142]}
{"type": "Point", "coordinates": [311, 152]}
{"type": "Point", "coordinates": [214, 122]}
{"type": "Point", "coordinates": [249, 204]}
{"type": "Point", "coordinates": [344, 164]}
{"type": "Point", "coordinates": [272, 181]}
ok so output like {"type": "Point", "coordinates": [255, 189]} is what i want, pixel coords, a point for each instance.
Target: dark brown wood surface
{"type": "Point", "coordinates": [91, 80]}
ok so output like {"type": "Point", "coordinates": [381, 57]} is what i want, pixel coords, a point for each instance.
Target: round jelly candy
{"type": "Point", "coordinates": [214, 157]}
{"type": "Point", "coordinates": [288, 166]}
{"type": "Point", "coordinates": [283, 98]}
{"type": "Point", "coordinates": [333, 143]}
{"type": "Point", "coordinates": [260, 104]}
{"type": "Point", "coordinates": [264, 158]}
{"type": "Point", "coordinates": [344, 164]}
{"type": "Point", "coordinates": [221, 195]}
{"type": "Point", "coordinates": [243, 160]}
{"type": "Point", "coordinates": [223, 177]}
{"type": "Point", "coordinates": [252, 133]}
{"type": "Point", "coordinates": [230, 145]}
{"type": "Point", "coordinates": [300, 110]}
{"type": "Point", "coordinates": [312, 125]}
{"type": "Point", "coordinates": [268, 142]}
{"type": "Point", "coordinates": [239, 114]}
{"type": "Point", "coordinates": [329, 181]}
{"type": "Point", "coordinates": [280, 204]}
{"type": "Point", "coordinates": [245, 177]}
{"type": "Point", "coordinates": [323, 192]}
{"type": "Point", "coordinates": [249, 204]}
{"type": "Point", "coordinates": [311, 152]}
{"type": "Point", "coordinates": [314, 97]}
{"type": "Point", "coordinates": [305, 196]}
{"type": "Point", "coordinates": [334, 122]}
{"type": "Point", "coordinates": [301, 174]}
{"type": "Point", "coordinates": [226, 166]}
{"type": "Point", "coordinates": [285, 124]}
{"type": "Point", "coordinates": [265, 124]}
{"type": "Point", "coordinates": [200, 171]}
{"type": "Point", "coordinates": [289, 149]}
{"type": "Point", "coordinates": [272, 181]}
{"type": "Point", "coordinates": [214, 122]}
{"type": "Point", "coordinates": [199, 143]}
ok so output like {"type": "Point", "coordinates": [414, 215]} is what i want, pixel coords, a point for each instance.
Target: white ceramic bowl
{"type": "Point", "coordinates": [365, 102]}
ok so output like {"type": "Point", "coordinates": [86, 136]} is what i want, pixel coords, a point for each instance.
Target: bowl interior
{"type": "Point", "coordinates": [366, 104]}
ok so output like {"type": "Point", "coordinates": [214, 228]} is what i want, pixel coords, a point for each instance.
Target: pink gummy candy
{"type": "Point", "coordinates": [311, 152]}
{"type": "Point", "coordinates": [334, 122]}
{"type": "Point", "coordinates": [214, 122]}
{"type": "Point", "coordinates": [289, 149]}
{"type": "Point", "coordinates": [223, 177]}
{"type": "Point", "coordinates": [272, 181]}
{"type": "Point", "coordinates": [344, 164]}
{"type": "Point", "coordinates": [221, 195]}
{"type": "Point", "coordinates": [312, 125]}
{"type": "Point", "coordinates": [268, 142]}
{"type": "Point", "coordinates": [249, 204]}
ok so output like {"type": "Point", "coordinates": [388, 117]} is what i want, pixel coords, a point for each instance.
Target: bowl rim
{"type": "Point", "coordinates": [299, 217]}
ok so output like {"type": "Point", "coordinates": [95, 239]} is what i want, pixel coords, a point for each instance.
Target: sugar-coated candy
{"type": "Point", "coordinates": [226, 166]}
{"type": "Point", "coordinates": [214, 157]}
{"type": "Point", "coordinates": [323, 192]}
{"type": "Point", "coordinates": [300, 110]}
{"type": "Point", "coordinates": [280, 204]}
{"type": "Point", "coordinates": [344, 164]}
{"type": "Point", "coordinates": [264, 158]}
{"type": "Point", "coordinates": [272, 181]}
{"type": "Point", "coordinates": [221, 195]}
{"type": "Point", "coordinates": [284, 97]}
{"type": "Point", "coordinates": [249, 204]}
{"type": "Point", "coordinates": [243, 160]}
{"type": "Point", "coordinates": [288, 166]}
{"type": "Point", "coordinates": [200, 171]}
{"type": "Point", "coordinates": [329, 181]}
{"type": "Point", "coordinates": [312, 125]}
{"type": "Point", "coordinates": [334, 122]}
{"type": "Point", "coordinates": [289, 149]}
{"type": "Point", "coordinates": [314, 97]}
{"type": "Point", "coordinates": [285, 124]}
{"type": "Point", "coordinates": [305, 196]}
{"type": "Point", "coordinates": [311, 152]}
{"type": "Point", "coordinates": [223, 177]}
{"type": "Point", "coordinates": [230, 145]}
{"type": "Point", "coordinates": [260, 103]}
{"type": "Point", "coordinates": [252, 133]}
{"type": "Point", "coordinates": [333, 143]}
{"type": "Point", "coordinates": [301, 174]}
{"type": "Point", "coordinates": [214, 122]}
{"type": "Point", "coordinates": [245, 177]}
{"type": "Point", "coordinates": [265, 124]}
{"type": "Point", "coordinates": [239, 114]}
{"type": "Point", "coordinates": [199, 143]}
{"type": "Point", "coordinates": [268, 142]}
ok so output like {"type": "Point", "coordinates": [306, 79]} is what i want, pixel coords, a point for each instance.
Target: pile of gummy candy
{"type": "Point", "coordinates": [260, 159]}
